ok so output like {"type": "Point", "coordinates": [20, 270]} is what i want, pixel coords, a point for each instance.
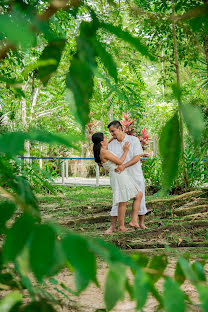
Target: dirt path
{"type": "Point", "coordinates": [92, 300]}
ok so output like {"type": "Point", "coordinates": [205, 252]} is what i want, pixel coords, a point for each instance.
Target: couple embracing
{"type": "Point", "coordinates": [121, 157]}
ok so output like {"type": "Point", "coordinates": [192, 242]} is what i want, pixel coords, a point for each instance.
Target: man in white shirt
{"type": "Point", "coordinates": [133, 165]}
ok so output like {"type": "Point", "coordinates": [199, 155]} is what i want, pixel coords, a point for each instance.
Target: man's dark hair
{"type": "Point", "coordinates": [116, 124]}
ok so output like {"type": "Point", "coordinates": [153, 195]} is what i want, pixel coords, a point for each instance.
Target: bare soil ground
{"type": "Point", "coordinates": [91, 299]}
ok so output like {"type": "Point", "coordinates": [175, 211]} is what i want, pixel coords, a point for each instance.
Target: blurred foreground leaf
{"type": "Point", "coordinates": [115, 285]}
{"type": "Point", "coordinates": [40, 306]}
{"type": "Point", "coordinates": [9, 301]}
{"type": "Point", "coordinates": [173, 296]}
{"type": "Point", "coordinates": [170, 150]}
{"type": "Point", "coordinates": [203, 296]}
{"type": "Point", "coordinates": [42, 247]}
{"type": "Point", "coordinates": [193, 118]}
{"type": "Point", "coordinates": [82, 259]}
{"type": "Point", "coordinates": [6, 211]}
{"type": "Point", "coordinates": [52, 52]}
{"type": "Point", "coordinates": [141, 288]}
{"type": "Point", "coordinates": [13, 143]}
{"type": "Point", "coordinates": [17, 236]}
{"type": "Point", "coordinates": [16, 29]}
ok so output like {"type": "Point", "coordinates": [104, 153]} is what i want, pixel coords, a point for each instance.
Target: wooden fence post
{"type": "Point", "coordinates": [97, 175]}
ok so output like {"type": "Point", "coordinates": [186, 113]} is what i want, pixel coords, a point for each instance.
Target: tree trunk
{"type": "Point", "coordinates": [34, 101]}
{"type": "Point", "coordinates": [206, 50]}
{"type": "Point", "coordinates": [179, 98]}
{"type": "Point", "coordinates": [24, 121]}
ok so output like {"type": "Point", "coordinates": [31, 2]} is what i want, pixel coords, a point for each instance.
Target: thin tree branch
{"type": "Point", "coordinates": [49, 111]}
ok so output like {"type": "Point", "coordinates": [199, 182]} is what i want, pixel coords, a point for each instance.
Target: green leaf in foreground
{"type": "Point", "coordinates": [80, 77]}
{"type": "Point", "coordinates": [127, 37]}
{"type": "Point", "coordinates": [187, 270]}
{"type": "Point", "coordinates": [80, 256]}
{"type": "Point", "coordinates": [170, 150]}
{"type": "Point", "coordinates": [158, 263]}
{"type": "Point", "coordinates": [13, 143]}
{"type": "Point", "coordinates": [80, 82]}
{"type": "Point", "coordinates": [40, 306]}
{"type": "Point", "coordinates": [179, 274]}
{"type": "Point", "coordinates": [6, 211]}
{"type": "Point", "coordinates": [115, 285]}
{"type": "Point", "coordinates": [141, 288]}
{"type": "Point", "coordinates": [52, 52]}
{"type": "Point", "coordinates": [203, 296]}
{"type": "Point", "coordinates": [107, 59]}
{"type": "Point", "coordinates": [174, 298]}
{"type": "Point", "coordinates": [17, 29]}
{"type": "Point", "coordinates": [17, 237]}
{"type": "Point", "coordinates": [199, 271]}
{"type": "Point", "coordinates": [9, 301]}
{"type": "Point", "coordinates": [193, 118]}
{"type": "Point", "coordinates": [41, 250]}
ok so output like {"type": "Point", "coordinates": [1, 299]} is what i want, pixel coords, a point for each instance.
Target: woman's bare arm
{"type": "Point", "coordinates": [107, 155]}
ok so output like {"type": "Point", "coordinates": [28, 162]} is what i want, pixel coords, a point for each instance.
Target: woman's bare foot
{"type": "Point", "coordinates": [142, 226]}
{"type": "Point", "coordinates": [110, 231]}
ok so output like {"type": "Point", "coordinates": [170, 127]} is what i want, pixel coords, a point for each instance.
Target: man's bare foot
{"type": "Point", "coordinates": [137, 226]}
{"type": "Point", "coordinates": [110, 231]}
{"type": "Point", "coordinates": [134, 225]}
{"type": "Point", "coordinates": [124, 230]}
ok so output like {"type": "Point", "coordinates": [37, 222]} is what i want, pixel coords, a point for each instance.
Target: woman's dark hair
{"type": "Point", "coordinates": [96, 139]}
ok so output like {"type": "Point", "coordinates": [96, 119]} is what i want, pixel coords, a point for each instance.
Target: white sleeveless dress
{"type": "Point", "coordinates": [123, 185]}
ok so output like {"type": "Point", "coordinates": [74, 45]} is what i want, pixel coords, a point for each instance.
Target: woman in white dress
{"type": "Point", "coordinates": [122, 184]}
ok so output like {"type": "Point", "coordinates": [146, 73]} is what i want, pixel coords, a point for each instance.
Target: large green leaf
{"type": "Point", "coordinates": [187, 270]}
{"type": "Point", "coordinates": [141, 288]}
{"type": "Point", "coordinates": [203, 296]}
{"type": "Point", "coordinates": [9, 301]}
{"type": "Point", "coordinates": [58, 259]}
{"type": "Point", "coordinates": [80, 82]}
{"type": "Point", "coordinates": [158, 263]}
{"type": "Point", "coordinates": [17, 237]}
{"type": "Point", "coordinates": [199, 271]}
{"type": "Point", "coordinates": [41, 251]}
{"type": "Point", "coordinates": [17, 29]}
{"type": "Point", "coordinates": [127, 37]}
{"type": "Point", "coordinates": [115, 285]}
{"type": "Point", "coordinates": [6, 211]}
{"type": "Point", "coordinates": [174, 298]}
{"type": "Point", "coordinates": [106, 58]}
{"type": "Point", "coordinates": [170, 150]}
{"type": "Point", "coordinates": [40, 306]}
{"type": "Point", "coordinates": [80, 256]}
{"type": "Point", "coordinates": [141, 259]}
{"type": "Point", "coordinates": [52, 52]}
{"type": "Point", "coordinates": [80, 77]}
{"type": "Point", "coordinates": [81, 281]}
{"type": "Point", "coordinates": [26, 197]}
{"type": "Point", "coordinates": [193, 118]}
{"type": "Point", "coordinates": [179, 274]}
{"type": "Point", "coordinates": [8, 279]}
{"type": "Point", "coordinates": [110, 252]}
{"type": "Point", "coordinates": [13, 143]}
